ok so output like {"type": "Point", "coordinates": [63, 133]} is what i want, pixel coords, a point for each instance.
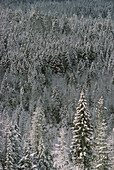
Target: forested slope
{"type": "Point", "coordinates": [46, 60]}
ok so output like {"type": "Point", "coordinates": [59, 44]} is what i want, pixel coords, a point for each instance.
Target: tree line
{"type": "Point", "coordinates": [89, 147]}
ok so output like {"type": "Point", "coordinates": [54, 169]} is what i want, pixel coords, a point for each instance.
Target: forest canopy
{"type": "Point", "coordinates": [56, 84]}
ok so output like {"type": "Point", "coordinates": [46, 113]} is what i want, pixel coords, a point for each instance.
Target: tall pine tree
{"type": "Point", "coordinates": [26, 159]}
{"type": "Point", "coordinates": [81, 148]}
{"type": "Point", "coordinates": [60, 153]}
{"type": "Point", "coordinates": [13, 147]}
{"type": "Point", "coordinates": [40, 155]}
{"type": "Point", "coordinates": [38, 128]}
{"type": "Point", "coordinates": [101, 148]}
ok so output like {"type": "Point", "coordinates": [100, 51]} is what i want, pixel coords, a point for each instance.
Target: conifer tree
{"type": "Point", "coordinates": [37, 128]}
{"type": "Point", "coordinates": [55, 25]}
{"type": "Point", "coordinates": [66, 26]}
{"type": "Point", "coordinates": [41, 160]}
{"type": "Point", "coordinates": [60, 153]}
{"type": "Point", "coordinates": [2, 141]}
{"type": "Point", "coordinates": [81, 148]}
{"type": "Point", "coordinates": [26, 160]}
{"type": "Point", "coordinates": [101, 160]}
{"type": "Point", "coordinates": [56, 103]}
{"type": "Point", "coordinates": [40, 155]}
{"type": "Point", "coordinates": [13, 148]}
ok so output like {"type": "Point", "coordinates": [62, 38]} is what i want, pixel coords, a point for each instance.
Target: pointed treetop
{"type": "Point", "coordinates": [82, 100]}
{"type": "Point", "coordinates": [101, 101]}
{"type": "Point", "coordinates": [100, 108]}
{"type": "Point", "coordinates": [82, 94]}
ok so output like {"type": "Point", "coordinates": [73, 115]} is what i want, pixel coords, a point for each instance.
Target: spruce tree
{"type": "Point", "coordinates": [60, 153]}
{"type": "Point", "coordinates": [13, 148]}
{"type": "Point", "coordinates": [38, 128]}
{"type": "Point", "coordinates": [81, 148]}
{"type": "Point", "coordinates": [55, 25]}
{"type": "Point", "coordinates": [41, 160]}
{"type": "Point", "coordinates": [26, 159]}
{"type": "Point", "coordinates": [2, 142]}
{"type": "Point", "coordinates": [66, 26]}
{"type": "Point", "coordinates": [101, 148]}
{"type": "Point", "coordinates": [40, 154]}
{"type": "Point", "coordinates": [42, 157]}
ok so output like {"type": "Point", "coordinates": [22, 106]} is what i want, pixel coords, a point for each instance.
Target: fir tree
{"type": "Point", "coordinates": [101, 160]}
{"type": "Point", "coordinates": [55, 25]}
{"type": "Point", "coordinates": [13, 147]}
{"type": "Point", "coordinates": [56, 103]}
{"type": "Point", "coordinates": [60, 153]}
{"type": "Point", "coordinates": [41, 160]}
{"type": "Point", "coordinates": [37, 128]}
{"type": "Point", "coordinates": [26, 160]}
{"type": "Point", "coordinates": [2, 141]}
{"type": "Point", "coordinates": [40, 155]}
{"type": "Point", "coordinates": [81, 148]}
{"type": "Point", "coordinates": [66, 26]}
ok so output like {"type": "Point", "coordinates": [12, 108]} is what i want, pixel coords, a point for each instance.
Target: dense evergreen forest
{"type": "Point", "coordinates": [56, 85]}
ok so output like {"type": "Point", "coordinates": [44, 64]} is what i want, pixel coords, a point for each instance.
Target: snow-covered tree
{"type": "Point", "coordinates": [40, 154]}
{"type": "Point", "coordinates": [66, 26]}
{"type": "Point", "coordinates": [81, 148]}
{"type": "Point", "coordinates": [26, 160]}
{"type": "Point", "coordinates": [48, 22]}
{"type": "Point", "coordinates": [50, 55]}
{"type": "Point", "coordinates": [56, 103]}
{"type": "Point", "coordinates": [41, 160]}
{"type": "Point", "coordinates": [13, 147]}
{"type": "Point", "coordinates": [61, 153]}
{"type": "Point", "coordinates": [38, 128]}
{"type": "Point", "coordinates": [2, 141]}
{"type": "Point", "coordinates": [55, 25]}
{"type": "Point", "coordinates": [111, 148]}
{"type": "Point", "coordinates": [101, 148]}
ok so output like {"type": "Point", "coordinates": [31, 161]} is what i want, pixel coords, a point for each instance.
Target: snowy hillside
{"type": "Point", "coordinates": [56, 71]}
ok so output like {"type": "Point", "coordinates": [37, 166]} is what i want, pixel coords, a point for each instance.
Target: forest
{"type": "Point", "coordinates": [56, 85]}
